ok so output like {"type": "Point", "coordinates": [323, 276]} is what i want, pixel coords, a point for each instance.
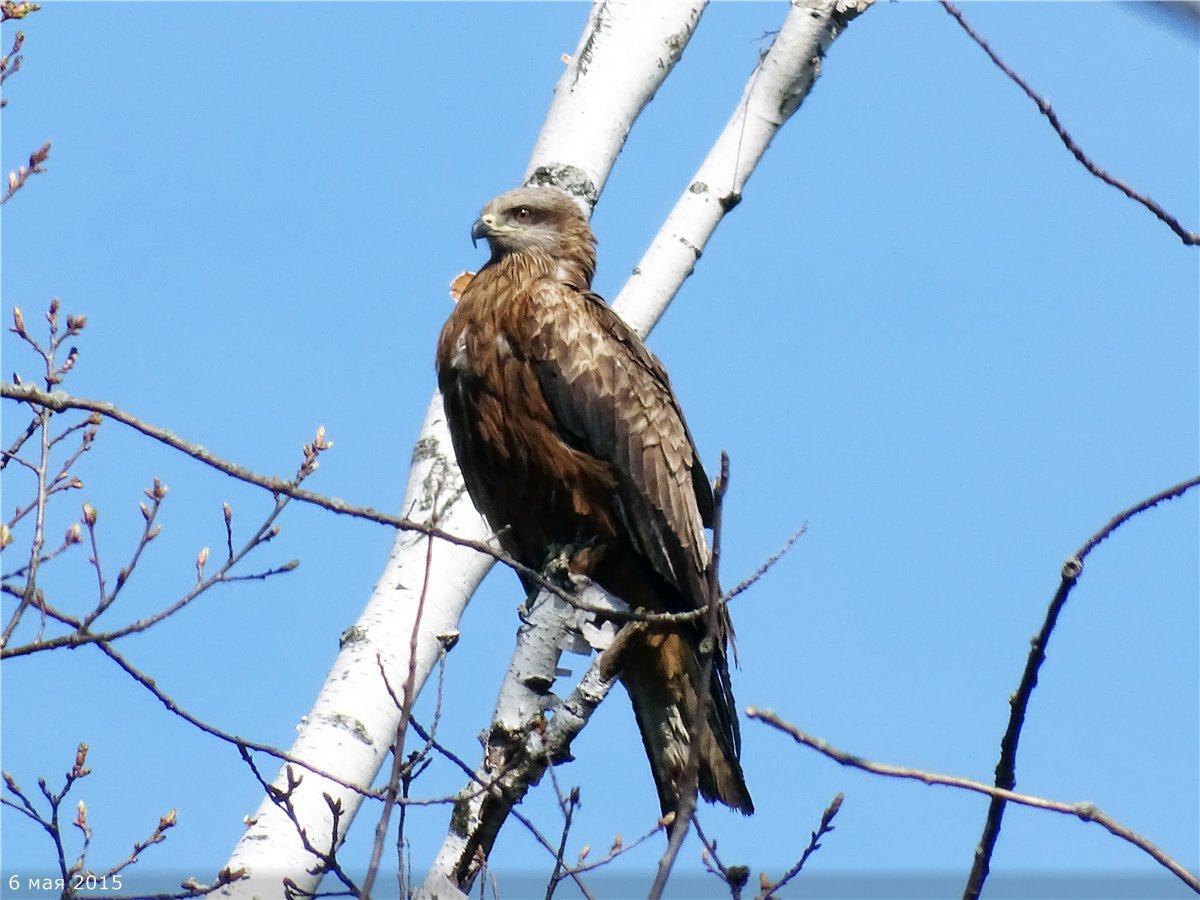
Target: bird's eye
{"type": "Point", "coordinates": [524, 215]}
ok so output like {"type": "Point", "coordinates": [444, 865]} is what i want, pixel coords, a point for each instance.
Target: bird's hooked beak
{"type": "Point", "coordinates": [481, 229]}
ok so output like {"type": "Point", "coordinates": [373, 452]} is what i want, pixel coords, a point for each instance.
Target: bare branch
{"type": "Point", "coordinates": [53, 373]}
{"type": "Point", "coordinates": [762, 570]}
{"type": "Point", "coordinates": [767, 888]}
{"type": "Point", "coordinates": [157, 836]}
{"type": "Point", "coordinates": [1006, 768]}
{"type": "Point", "coordinates": [326, 860]}
{"type": "Point", "coordinates": [618, 848]}
{"type": "Point", "coordinates": [530, 730]}
{"type": "Point", "coordinates": [82, 635]}
{"type": "Point", "coordinates": [240, 743]}
{"type": "Point", "coordinates": [568, 805]}
{"type": "Point", "coordinates": [1190, 238]}
{"type": "Point", "coordinates": [31, 594]}
{"type": "Point", "coordinates": [77, 875]}
{"type": "Point", "coordinates": [735, 877]}
{"type": "Point", "coordinates": [1085, 811]}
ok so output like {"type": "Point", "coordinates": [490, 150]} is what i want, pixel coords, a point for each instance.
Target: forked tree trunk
{"type": "Point", "coordinates": [627, 49]}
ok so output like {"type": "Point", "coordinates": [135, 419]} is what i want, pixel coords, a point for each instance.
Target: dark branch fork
{"type": "Point", "coordinates": [1006, 776]}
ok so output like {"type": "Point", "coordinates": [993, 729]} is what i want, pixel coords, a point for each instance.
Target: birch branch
{"type": "Point", "coordinates": [778, 85]}
{"type": "Point", "coordinates": [626, 51]}
{"type": "Point", "coordinates": [784, 76]}
{"type": "Point", "coordinates": [532, 729]}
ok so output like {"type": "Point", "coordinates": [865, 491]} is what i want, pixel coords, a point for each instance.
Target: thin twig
{"type": "Point", "coordinates": [766, 566]}
{"type": "Point", "coordinates": [82, 635]}
{"type": "Point", "coordinates": [1189, 238]}
{"type": "Point", "coordinates": [767, 889]}
{"type": "Point", "coordinates": [735, 877]}
{"type": "Point", "coordinates": [282, 798]}
{"type": "Point", "coordinates": [52, 825]}
{"type": "Point", "coordinates": [53, 373]}
{"type": "Point", "coordinates": [1006, 768]}
{"type": "Point", "coordinates": [157, 836]}
{"type": "Point", "coordinates": [1085, 811]}
{"type": "Point", "coordinates": [16, 445]}
{"type": "Point", "coordinates": [567, 805]}
{"type": "Point", "coordinates": [410, 680]}
{"type": "Point", "coordinates": [240, 743]}
{"type": "Point", "coordinates": [618, 848]}
{"type": "Point", "coordinates": [31, 593]}
{"type": "Point", "coordinates": [487, 786]}
{"type": "Point", "coordinates": [60, 482]}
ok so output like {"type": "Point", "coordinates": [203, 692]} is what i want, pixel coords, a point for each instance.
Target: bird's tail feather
{"type": "Point", "coordinates": [662, 680]}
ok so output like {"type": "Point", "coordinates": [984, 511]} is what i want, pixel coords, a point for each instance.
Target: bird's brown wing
{"type": "Point", "coordinates": [612, 400]}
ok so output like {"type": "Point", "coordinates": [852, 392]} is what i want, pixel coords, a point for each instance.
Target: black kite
{"type": "Point", "coordinates": [569, 436]}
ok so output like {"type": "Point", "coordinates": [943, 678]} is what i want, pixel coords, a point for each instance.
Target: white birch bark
{"type": "Point", "coordinates": [774, 91]}
{"type": "Point", "coordinates": [626, 51]}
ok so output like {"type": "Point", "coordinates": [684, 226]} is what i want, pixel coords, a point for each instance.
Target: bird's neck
{"type": "Point", "coordinates": [528, 266]}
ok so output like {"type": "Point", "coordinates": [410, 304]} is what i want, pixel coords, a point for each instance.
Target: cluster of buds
{"type": "Point", "coordinates": [157, 493]}
{"type": "Point", "coordinates": [10, 62]}
{"type": "Point", "coordinates": [311, 452]}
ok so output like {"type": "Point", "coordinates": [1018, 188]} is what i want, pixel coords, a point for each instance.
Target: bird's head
{"type": "Point", "coordinates": [541, 220]}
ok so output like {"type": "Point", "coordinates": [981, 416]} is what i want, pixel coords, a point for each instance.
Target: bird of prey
{"type": "Point", "coordinates": [569, 436]}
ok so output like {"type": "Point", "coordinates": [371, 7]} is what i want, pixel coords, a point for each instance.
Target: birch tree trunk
{"type": "Point", "coordinates": [625, 52]}
{"type": "Point", "coordinates": [519, 745]}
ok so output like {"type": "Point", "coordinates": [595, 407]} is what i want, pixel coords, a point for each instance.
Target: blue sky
{"type": "Point", "coordinates": [926, 333]}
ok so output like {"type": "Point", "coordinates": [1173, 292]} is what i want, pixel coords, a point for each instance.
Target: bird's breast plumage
{"type": "Point", "coordinates": [529, 483]}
